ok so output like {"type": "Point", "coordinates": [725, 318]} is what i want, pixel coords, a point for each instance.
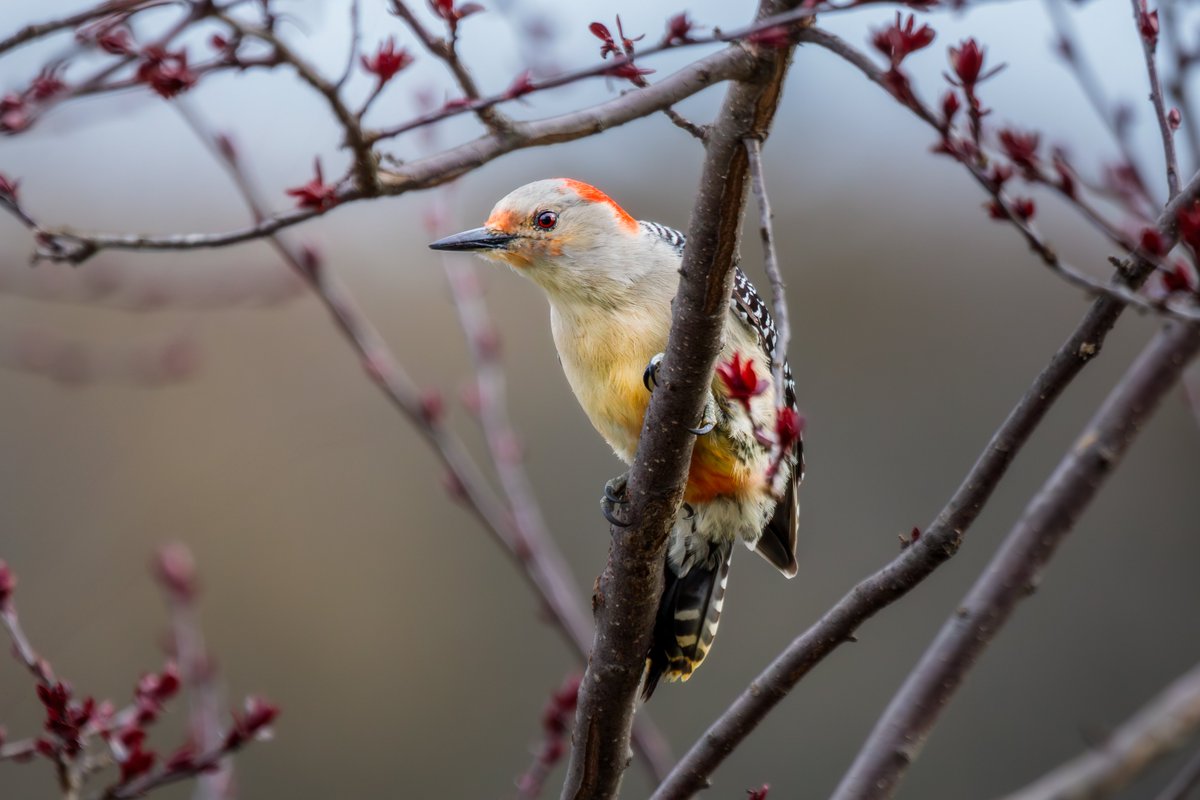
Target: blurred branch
{"type": "Point", "coordinates": [1012, 573]}
{"type": "Point", "coordinates": [1181, 63]}
{"type": "Point", "coordinates": [447, 52]}
{"type": "Point", "coordinates": [35, 31]}
{"type": "Point", "coordinates": [1116, 117]}
{"type": "Point", "coordinates": [1146, 24]}
{"type": "Point", "coordinates": [531, 547]}
{"type": "Point", "coordinates": [936, 544]}
{"type": "Point", "coordinates": [1159, 728]}
{"type": "Point", "coordinates": [628, 591]}
{"type": "Point", "coordinates": [779, 307]}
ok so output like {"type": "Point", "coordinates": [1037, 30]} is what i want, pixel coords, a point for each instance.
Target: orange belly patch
{"type": "Point", "coordinates": [714, 472]}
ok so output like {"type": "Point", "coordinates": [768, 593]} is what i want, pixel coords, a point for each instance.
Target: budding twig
{"type": "Point", "coordinates": [1146, 24]}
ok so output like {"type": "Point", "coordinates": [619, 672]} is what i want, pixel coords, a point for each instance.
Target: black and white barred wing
{"type": "Point", "coordinates": [778, 542]}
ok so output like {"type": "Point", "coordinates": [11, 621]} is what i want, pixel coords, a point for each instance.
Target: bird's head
{"type": "Point", "coordinates": [564, 234]}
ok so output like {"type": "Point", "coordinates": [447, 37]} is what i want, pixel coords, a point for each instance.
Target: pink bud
{"type": "Point", "coordinates": [176, 570]}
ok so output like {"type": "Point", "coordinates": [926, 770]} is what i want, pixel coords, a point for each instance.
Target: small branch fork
{"type": "Point", "coordinates": [82, 737]}
{"type": "Point", "coordinates": [1158, 729]}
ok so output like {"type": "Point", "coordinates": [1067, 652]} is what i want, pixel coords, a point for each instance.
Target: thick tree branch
{"type": "Point", "coordinates": [938, 542]}
{"type": "Point", "coordinates": [1154, 732]}
{"type": "Point", "coordinates": [630, 587]}
{"type": "Point", "coordinates": [901, 732]}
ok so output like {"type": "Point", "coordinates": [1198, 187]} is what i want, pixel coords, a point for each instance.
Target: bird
{"type": "Point", "coordinates": [610, 280]}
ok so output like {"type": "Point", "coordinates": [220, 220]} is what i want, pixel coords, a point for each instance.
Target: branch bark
{"type": "Point", "coordinates": [1052, 513]}
{"type": "Point", "coordinates": [937, 544]}
{"type": "Point", "coordinates": [1154, 732]}
{"type": "Point", "coordinates": [628, 592]}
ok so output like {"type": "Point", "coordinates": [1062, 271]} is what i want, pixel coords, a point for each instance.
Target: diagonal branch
{"type": "Point", "coordinates": [1154, 732]}
{"type": "Point", "coordinates": [937, 543]}
{"type": "Point", "coordinates": [628, 591]}
{"type": "Point", "coordinates": [1050, 515]}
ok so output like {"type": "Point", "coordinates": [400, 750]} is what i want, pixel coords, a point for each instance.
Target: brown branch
{"type": "Point", "coordinates": [1052, 513]}
{"type": "Point", "coordinates": [437, 169]}
{"type": "Point", "coordinates": [1156, 98]}
{"type": "Point", "coordinates": [447, 52]}
{"type": "Point", "coordinates": [628, 591]}
{"type": "Point", "coordinates": [937, 543]}
{"type": "Point", "coordinates": [366, 165]}
{"type": "Point", "coordinates": [1177, 83]}
{"type": "Point", "coordinates": [1154, 732]}
{"type": "Point", "coordinates": [38, 30]}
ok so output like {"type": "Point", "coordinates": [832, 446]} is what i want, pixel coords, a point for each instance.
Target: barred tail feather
{"type": "Point", "coordinates": [688, 615]}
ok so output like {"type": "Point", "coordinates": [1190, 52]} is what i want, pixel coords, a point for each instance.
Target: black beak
{"type": "Point", "coordinates": [476, 239]}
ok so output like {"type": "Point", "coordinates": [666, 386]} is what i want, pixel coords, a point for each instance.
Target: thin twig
{"type": "Point", "coordinates": [1156, 97]}
{"type": "Point", "coordinates": [38, 30]}
{"type": "Point", "coordinates": [1112, 115]}
{"type": "Point", "coordinates": [937, 543]}
{"type": "Point", "coordinates": [447, 52]}
{"type": "Point", "coordinates": [779, 307]}
{"type": "Point", "coordinates": [1158, 729]}
{"type": "Point", "coordinates": [1051, 514]}
{"type": "Point", "coordinates": [1177, 84]}
{"type": "Point", "coordinates": [355, 43]}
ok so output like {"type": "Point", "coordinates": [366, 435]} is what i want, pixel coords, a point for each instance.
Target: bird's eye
{"type": "Point", "coordinates": [546, 220]}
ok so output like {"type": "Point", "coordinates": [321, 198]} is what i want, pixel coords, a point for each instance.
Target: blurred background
{"type": "Point", "coordinates": [206, 398]}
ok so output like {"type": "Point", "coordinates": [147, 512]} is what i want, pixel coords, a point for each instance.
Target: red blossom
{"type": "Point", "coordinates": [1174, 118]}
{"type": "Point", "coordinates": [183, 759]}
{"type": "Point", "coordinates": [258, 714]}
{"type": "Point", "coordinates": [1021, 148]}
{"type": "Point", "coordinates": [915, 535]}
{"type": "Point", "coordinates": [1152, 242]}
{"type": "Point", "coordinates": [1066, 179]}
{"type": "Point", "coordinates": [758, 794]}
{"type": "Point", "coordinates": [385, 62]}
{"type": "Point", "coordinates": [789, 424]}
{"type": "Point", "coordinates": [158, 687]}
{"type": "Point", "coordinates": [950, 106]}
{"type": "Point", "coordinates": [1000, 175]}
{"type": "Point", "coordinates": [1147, 22]}
{"type": "Point", "coordinates": [165, 72]}
{"type": "Point", "coordinates": [608, 44]}
{"type": "Point", "coordinates": [8, 581]}
{"type": "Point", "coordinates": [628, 70]}
{"type": "Point", "coordinates": [776, 36]}
{"type": "Point", "coordinates": [176, 570]}
{"type": "Point", "coordinates": [521, 85]}
{"type": "Point", "coordinates": [316, 194]}
{"type": "Point", "coordinates": [1178, 279]}
{"type": "Point", "coordinates": [1189, 225]}
{"type": "Point", "coordinates": [967, 62]}
{"type": "Point", "coordinates": [115, 39]}
{"type": "Point", "coordinates": [46, 84]}
{"type": "Point", "coordinates": [741, 380]}
{"type": "Point", "coordinates": [432, 406]}
{"type": "Point", "coordinates": [1024, 208]}
{"type": "Point", "coordinates": [451, 13]}
{"type": "Point", "coordinates": [14, 115]}
{"type": "Point", "coordinates": [679, 29]}
{"type": "Point", "coordinates": [902, 38]}
{"type": "Point", "coordinates": [137, 761]}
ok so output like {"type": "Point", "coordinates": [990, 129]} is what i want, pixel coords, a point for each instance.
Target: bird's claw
{"type": "Point", "coordinates": [650, 376]}
{"type": "Point", "coordinates": [705, 427]}
{"type": "Point", "coordinates": [614, 496]}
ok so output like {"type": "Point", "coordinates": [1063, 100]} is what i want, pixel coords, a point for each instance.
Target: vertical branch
{"type": "Point", "coordinates": [1146, 23]}
{"type": "Point", "coordinates": [900, 733]}
{"type": "Point", "coordinates": [1181, 62]}
{"type": "Point", "coordinates": [628, 591]}
{"type": "Point", "coordinates": [779, 308]}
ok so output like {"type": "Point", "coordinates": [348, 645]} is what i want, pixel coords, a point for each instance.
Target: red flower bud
{"type": "Point", "coordinates": [8, 583]}
{"type": "Point", "coordinates": [741, 380]}
{"type": "Point", "coordinates": [316, 194]}
{"type": "Point", "coordinates": [387, 61]}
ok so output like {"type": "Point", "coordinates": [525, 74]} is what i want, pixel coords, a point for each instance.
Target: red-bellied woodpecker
{"type": "Point", "coordinates": [610, 280]}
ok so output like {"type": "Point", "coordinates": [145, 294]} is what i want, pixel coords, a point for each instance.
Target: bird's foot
{"type": "Point", "coordinates": [615, 495]}
{"type": "Point", "coordinates": [650, 376]}
{"type": "Point", "coordinates": [707, 422]}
